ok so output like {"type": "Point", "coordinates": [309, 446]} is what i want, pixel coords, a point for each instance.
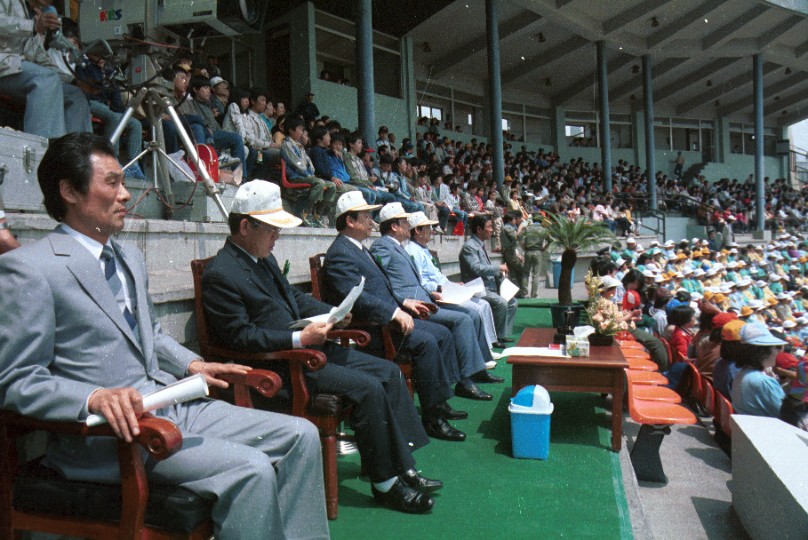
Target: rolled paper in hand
{"type": "Point", "coordinates": [187, 389]}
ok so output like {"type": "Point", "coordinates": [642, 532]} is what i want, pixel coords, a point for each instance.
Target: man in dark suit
{"type": "Point", "coordinates": [251, 307]}
{"type": "Point", "coordinates": [91, 344]}
{"type": "Point", "coordinates": [430, 344]}
{"type": "Point", "coordinates": [475, 263]}
{"type": "Point", "coordinates": [403, 275]}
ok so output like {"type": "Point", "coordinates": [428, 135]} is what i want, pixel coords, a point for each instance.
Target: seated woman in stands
{"type": "Point", "coordinates": [755, 390]}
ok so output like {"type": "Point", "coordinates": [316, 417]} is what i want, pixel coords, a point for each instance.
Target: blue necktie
{"type": "Point", "coordinates": [115, 285]}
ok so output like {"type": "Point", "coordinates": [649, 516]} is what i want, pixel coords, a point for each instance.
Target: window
{"type": "Point", "coordinates": [430, 112]}
{"type": "Point", "coordinates": [506, 124]}
{"type": "Point", "coordinates": [470, 122]}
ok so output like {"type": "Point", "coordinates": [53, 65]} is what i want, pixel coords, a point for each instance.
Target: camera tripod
{"type": "Point", "coordinates": [155, 103]}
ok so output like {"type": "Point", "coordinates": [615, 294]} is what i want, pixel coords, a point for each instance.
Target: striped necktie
{"type": "Point", "coordinates": [115, 285]}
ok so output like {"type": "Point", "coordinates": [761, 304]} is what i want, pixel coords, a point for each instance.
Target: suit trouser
{"type": "Point", "coordinates": [466, 339]}
{"type": "Point", "coordinates": [384, 418]}
{"type": "Point", "coordinates": [504, 313]}
{"type": "Point", "coordinates": [477, 313]}
{"type": "Point", "coordinates": [483, 310]}
{"type": "Point", "coordinates": [516, 272]}
{"type": "Point", "coordinates": [433, 360]}
{"type": "Point", "coordinates": [262, 470]}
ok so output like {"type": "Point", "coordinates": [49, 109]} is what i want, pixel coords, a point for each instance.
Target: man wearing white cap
{"type": "Point", "coordinates": [470, 345]}
{"type": "Point", "coordinates": [251, 307]}
{"type": "Point", "coordinates": [429, 344]}
{"type": "Point", "coordinates": [433, 280]}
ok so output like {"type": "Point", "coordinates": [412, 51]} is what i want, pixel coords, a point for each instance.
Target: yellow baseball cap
{"type": "Point", "coordinates": [732, 330]}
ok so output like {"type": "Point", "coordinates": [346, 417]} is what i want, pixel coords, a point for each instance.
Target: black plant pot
{"type": "Point", "coordinates": [599, 340]}
{"type": "Point", "coordinates": [557, 312]}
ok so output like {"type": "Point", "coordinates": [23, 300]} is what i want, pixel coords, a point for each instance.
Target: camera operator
{"type": "Point", "coordinates": [28, 74]}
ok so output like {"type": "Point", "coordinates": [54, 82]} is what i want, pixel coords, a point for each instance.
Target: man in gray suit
{"type": "Point", "coordinates": [474, 263]}
{"type": "Point", "coordinates": [403, 274]}
{"type": "Point", "coordinates": [78, 335]}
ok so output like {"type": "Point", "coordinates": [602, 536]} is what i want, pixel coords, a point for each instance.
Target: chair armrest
{"type": "Point", "coordinates": [360, 337]}
{"type": "Point", "coordinates": [265, 382]}
{"type": "Point", "coordinates": [158, 436]}
{"type": "Point", "coordinates": [310, 359]}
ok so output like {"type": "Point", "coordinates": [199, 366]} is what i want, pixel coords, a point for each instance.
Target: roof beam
{"type": "Point", "coordinates": [770, 35]}
{"type": "Point", "coordinates": [768, 93]}
{"type": "Point", "coordinates": [683, 83]}
{"type": "Point", "coordinates": [638, 11]}
{"type": "Point", "coordinates": [725, 32]}
{"type": "Point", "coordinates": [561, 3]}
{"type": "Point", "coordinates": [543, 58]}
{"type": "Point", "coordinates": [672, 29]}
{"type": "Point", "coordinates": [479, 43]}
{"type": "Point", "coordinates": [801, 50]}
{"type": "Point", "coordinates": [798, 115]}
{"type": "Point", "coordinates": [636, 82]}
{"type": "Point", "coordinates": [735, 83]}
{"type": "Point", "coordinates": [615, 64]}
{"type": "Point", "coordinates": [790, 101]}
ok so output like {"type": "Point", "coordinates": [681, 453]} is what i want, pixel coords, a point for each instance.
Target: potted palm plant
{"type": "Point", "coordinates": [570, 237]}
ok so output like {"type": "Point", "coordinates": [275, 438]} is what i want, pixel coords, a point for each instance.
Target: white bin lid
{"type": "Point", "coordinates": [532, 399]}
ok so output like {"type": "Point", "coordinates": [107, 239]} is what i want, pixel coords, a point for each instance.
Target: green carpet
{"type": "Point", "coordinates": [577, 493]}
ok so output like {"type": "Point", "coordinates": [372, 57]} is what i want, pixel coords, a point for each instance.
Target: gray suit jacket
{"type": "Point", "coordinates": [400, 269]}
{"type": "Point", "coordinates": [474, 263]}
{"type": "Point", "coordinates": [62, 336]}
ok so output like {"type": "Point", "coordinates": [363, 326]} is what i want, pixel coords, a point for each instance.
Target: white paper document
{"type": "Point", "coordinates": [187, 389]}
{"type": "Point", "coordinates": [452, 293]}
{"type": "Point", "coordinates": [336, 314]}
{"type": "Point", "coordinates": [534, 351]}
{"type": "Point", "coordinates": [477, 286]}
{"type": "Point", "coordinates": [508, 289]}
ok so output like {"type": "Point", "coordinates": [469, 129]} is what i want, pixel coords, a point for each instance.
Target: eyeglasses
{"type": "Point", "coordinates": [276, 231]}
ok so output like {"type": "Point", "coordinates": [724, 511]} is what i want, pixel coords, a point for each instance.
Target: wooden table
{"type": "Point", "coordinates": [603, 371]}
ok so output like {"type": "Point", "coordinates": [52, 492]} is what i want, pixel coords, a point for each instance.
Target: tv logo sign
{"type": "Point", "coordinates": [109, 15]}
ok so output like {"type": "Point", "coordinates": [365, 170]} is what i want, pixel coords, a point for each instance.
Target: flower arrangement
{"type": "Point", "coordinates": [604, 315]}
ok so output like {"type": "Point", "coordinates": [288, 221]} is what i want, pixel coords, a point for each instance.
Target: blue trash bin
{"type": "Point", "coordinates": [557, 273]}
{"type": "Point", "coordinates": [530, 422]}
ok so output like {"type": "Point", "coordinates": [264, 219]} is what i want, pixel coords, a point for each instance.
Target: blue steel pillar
{"type": "Point", "coordinates": [760, 199]}
{"type": "Point", "coordinates": [605, 130]}
{"type": "Point", "coordinates": [494, 91]}
{"type": "Point", "coordinates": [364, 70]}
{"type": "Point", "coordinates": [648, 103]}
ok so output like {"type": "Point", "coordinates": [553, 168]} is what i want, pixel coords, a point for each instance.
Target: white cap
{"type": "Point", "coordinates": [216, 80]}
{"type": "Point", "coordinates": [261, 200]}
{"type": "Point", "coordinates": [760, 283]}
{"type": "Point", "coordinates": [653, 243]}
{"type": "Point", "coordinates": [392, 210]}
{"type": "Point", "coordinates": [782, 296]}
{"type": "Point", "coordinates": [419, 218]}
{"type": "Point", "coordinates": [648, 273]}
{"type": "Point", "coordinates": [789, 324]}
{"type": "Point", "coordinates": [353, 201]}
{"type": "Point", "coordinates": [694, 241]}
{"type": "Point", "coordinates": [670, 243]}
{"type": "Point", "coordinates": [630, 240]}
{"type": "Point", "coordinates": [619, 262]}
{"type": "Point", "coordinates": [608, 282]}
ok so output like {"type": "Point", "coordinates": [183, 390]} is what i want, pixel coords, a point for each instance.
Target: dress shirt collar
{"type": "Point", "coordinates": [250, 255]}
{"type": "Point", "coordinates": [93, 246]}
{"type": "Point", "coordinates": [355, 242]}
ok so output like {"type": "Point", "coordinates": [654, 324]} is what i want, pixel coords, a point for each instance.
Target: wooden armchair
{"type": "Point", "coordinates": [390, 351]}
{"type": "Point", "coordinates": [326, 411]}
{"type": "Point", "coordinates": [36, 498]}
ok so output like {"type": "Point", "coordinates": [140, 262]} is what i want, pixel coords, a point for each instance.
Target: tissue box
{"type": "Point", "coordinates": [577, 346]}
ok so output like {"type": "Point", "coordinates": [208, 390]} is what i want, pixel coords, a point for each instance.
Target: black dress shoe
{"type": "Point", "coordinates": [505, 340]}
{"type": "Point", "coordinates": [404, 498]}
{"type": "Point", "coordinates": [421, 483]}
{"type": "Point", "coordinates": [468, 389]}
{"type": "Point", "coordinates": [446, 411]}
{"type": "Point", "coordinates": [439, 428]}
{"type": "Point", "coordinates": [498, 345]}
{"type": "Point", "coordinates": [486, 377]}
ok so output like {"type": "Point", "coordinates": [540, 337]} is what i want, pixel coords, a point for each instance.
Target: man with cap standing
{"type": "Point", "coordinates": [308, 109]}
{"type": "Point", "coordinates": [470, 345]}
{"type": "Point", "coordinates": [429, 344]}
{"type": "Point", "coordinates": [251, 306]}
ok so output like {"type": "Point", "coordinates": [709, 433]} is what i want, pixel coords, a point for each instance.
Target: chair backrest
{"type": "Point", "coordinates": [721, 413]}
{"type": "Point", "coordinates": [197, 268]}
{"type": "Point", "coordinates": [316, 268]}
{"type": "Point", "coordinates": [707, 395]}
{"type": "Point", "coordinates": [668, 350]}
{"type": "Point", "coordinates": [291, 185]}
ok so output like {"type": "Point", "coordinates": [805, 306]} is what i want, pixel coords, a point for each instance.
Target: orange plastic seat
{"type": "Point", "coordinates": [649, 377]}
{"type": "Point", "coordinates": [650, 392]}
{"type": "Point", "coordinates": [630, 345]}
{"type": "Point", "coordinates": [723, 410]}
{"type": "Point", "coordinates": [641, 364]}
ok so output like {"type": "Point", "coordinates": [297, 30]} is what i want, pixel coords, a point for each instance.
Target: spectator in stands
{"type": "Point", "coordinates": [438, 194]}
{"type": "Point", "coordinates": [106, 105]}
{"type": "Point", "coordinates": [755, 390]}
{"type": "Point", "coordinates": [52, 107]}
{"type": "Point", "coordinates": [512, 252]}
{"type": "Point", "coordinates": [235, 118]}
{"type": "Point", "coordinates": [219, 98]}
{"type": "Point", "coordinates": [308, 109]}
{"type": "Point", "coordinates": [206, 129]}
{"type": "Point", "coordinates": [394, 177]}
{"type": "Point", "coordinates": [474, 263]}
{"type": "Point", "coordinates": [320, 196]}
{"type": "Point", "coordinates": [257, 134]}
{"type": "Point", "coordinates": [382, 140]}
{"type": "Point", "coordinates": [328, 170]}
{"type": "Point", "coordinates": [358, 174]}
